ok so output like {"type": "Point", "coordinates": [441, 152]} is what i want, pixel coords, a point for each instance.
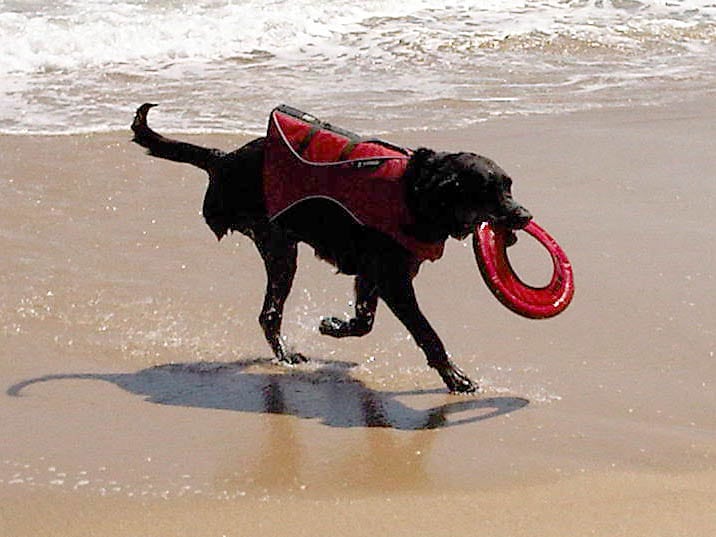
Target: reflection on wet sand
{"type": "Point", "coordinates": [386, 441]}
{"type": "Point", "coordinates": [325, 391]}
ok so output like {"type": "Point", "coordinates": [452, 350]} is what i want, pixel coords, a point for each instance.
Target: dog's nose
{"type": "Point", "coordinates": [519, 218]}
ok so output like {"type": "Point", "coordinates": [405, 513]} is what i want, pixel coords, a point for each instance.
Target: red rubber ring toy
{"type": "Point", "coordinates": [532, 302]}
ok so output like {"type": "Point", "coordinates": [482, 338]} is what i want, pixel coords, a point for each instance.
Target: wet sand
{"type": "Point", "coordinates": [138, 397]}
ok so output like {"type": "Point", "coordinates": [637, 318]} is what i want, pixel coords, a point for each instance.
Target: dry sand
{"type": "Point", "coordinates": [138, 398]}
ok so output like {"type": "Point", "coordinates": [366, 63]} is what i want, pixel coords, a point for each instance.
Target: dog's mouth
{"type": "Point", "coordinates": [513, 220]}
{"type": "Point", "coordinates": [516, 218]}
{"type": "Point", "coordinates": [462, 234]}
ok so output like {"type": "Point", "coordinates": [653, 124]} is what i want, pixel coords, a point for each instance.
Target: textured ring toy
{"type": "Point", "coordinates": [489, 244]}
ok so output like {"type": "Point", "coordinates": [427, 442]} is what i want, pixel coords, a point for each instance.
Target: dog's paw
{"type": "Point", "coordinates": [296, 358]}
{"type": "Point", "coordinates": [457, 381]}
{"type": "Point", "coordinates": [335, 327]}
{"type": "Point", "coordinates": [293, 358]}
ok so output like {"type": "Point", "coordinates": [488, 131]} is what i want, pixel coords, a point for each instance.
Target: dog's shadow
{"type": "Point", "coordinates": [322, 390]}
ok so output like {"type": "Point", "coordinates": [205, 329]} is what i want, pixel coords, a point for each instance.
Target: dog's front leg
{"type": "Point", "coordinates": [366, 297]}
{"type": "Point", "coordinates": [279, 254]}
{"type": "Point", "coordinates": [398, 293]}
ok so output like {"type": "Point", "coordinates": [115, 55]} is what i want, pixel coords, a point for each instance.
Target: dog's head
{"type": "Point", "coordinates": [458, 191]}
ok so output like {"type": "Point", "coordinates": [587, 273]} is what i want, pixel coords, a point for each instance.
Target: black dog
{"type": "Point", "coordinates": [448, 194]}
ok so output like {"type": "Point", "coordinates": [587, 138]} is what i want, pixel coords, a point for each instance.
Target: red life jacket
{"type": "Point", "coordinates": [307, 159]}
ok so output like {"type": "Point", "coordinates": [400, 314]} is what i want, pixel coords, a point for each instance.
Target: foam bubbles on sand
{"type": "Point", "coordinates": [99, 482]}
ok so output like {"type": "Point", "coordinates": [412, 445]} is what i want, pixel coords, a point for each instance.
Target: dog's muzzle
{"type": "Point", "coordinates": [517, 218]}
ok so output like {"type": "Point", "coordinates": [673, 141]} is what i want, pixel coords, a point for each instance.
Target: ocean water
{"type": "Point", "coordinates": [220, 65]}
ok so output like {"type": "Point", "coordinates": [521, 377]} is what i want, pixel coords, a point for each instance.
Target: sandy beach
{"type": "Point", "coordinates": [138, 396]}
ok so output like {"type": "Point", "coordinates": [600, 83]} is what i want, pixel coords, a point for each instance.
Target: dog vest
{"type": "Point", "coordinates": [307, 159]}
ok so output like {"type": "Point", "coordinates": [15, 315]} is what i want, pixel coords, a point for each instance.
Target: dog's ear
{"type": "Point", "coordinates": [423, 168]}
{"type": "Point", "coordinates": [428, 179]}
{"type": "Point", "coordinates": [433, 172]}
{"type": "Point", "coordinates": [423, 156]}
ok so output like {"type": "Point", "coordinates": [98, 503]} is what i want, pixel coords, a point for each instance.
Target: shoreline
{"type": "Point", "coordinates": [689, 105]}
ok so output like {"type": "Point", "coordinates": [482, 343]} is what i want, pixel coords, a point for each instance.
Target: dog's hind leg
{"type": "Point", "coordinates": [366, 296]}
{"type": "Point", "coordinates": [279, 254]}
{"type": "Point", "coordinates": [399, 294]}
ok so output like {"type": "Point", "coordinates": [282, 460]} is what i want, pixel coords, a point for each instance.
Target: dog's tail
{"type": "Point", "coordinates": [166, 148]}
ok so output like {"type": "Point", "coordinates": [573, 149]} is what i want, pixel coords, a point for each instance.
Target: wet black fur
{"type": "Point", "coordinates": [448, 194]}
